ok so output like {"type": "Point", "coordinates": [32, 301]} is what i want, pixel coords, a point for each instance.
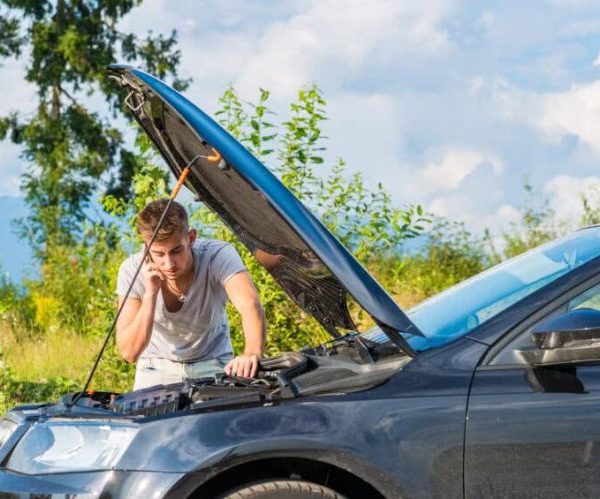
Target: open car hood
{"type": "Point", "coordinates": [307, 261]}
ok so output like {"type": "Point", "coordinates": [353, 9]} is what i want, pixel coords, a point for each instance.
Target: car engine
{"type": "Point", "coordinates": [346, 364]}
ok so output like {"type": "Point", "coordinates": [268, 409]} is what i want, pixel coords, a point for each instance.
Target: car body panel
{"type": "Point", "coordinates": [405, 437]}
{"type": "Point", "coordinates": [307, 261]}
{"type": "Point", "coordinates": [407, 427]}
{"type": "Point", "coordinates": [534, 432]}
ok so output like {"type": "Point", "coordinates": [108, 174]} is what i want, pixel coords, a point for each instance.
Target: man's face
{"type": "Point", "coordinates": [173, 256]}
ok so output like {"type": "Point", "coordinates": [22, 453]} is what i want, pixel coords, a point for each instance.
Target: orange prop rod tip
{"type": "Point", "coordinates": [215, 157]}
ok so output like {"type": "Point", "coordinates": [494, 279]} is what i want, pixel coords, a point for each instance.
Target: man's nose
{"type": "Point", "coordinates": [168, 262]}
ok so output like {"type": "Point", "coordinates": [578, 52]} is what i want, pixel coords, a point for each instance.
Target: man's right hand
{"type": "Point", "coordinates": [152, 277]}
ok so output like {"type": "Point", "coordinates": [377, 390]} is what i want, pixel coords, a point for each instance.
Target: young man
{"type": "Point", "coordinates": [174, 322]}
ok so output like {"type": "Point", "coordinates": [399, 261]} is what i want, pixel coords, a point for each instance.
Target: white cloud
{"type": "Point", "coordinates": [15, 96]}
{"type": "Point", "coordinates": [565, 193]}
{"type": "Point", "coordinates": [283, 45]}
{"type": "Point", "coordinates": [459, 183]}
{"type": "Point", "coordinates": [575, 112]}
{"type": "Point", "coordinates": [496, 221]}
{"type": "Point", "coordinates": [448, 170]}
{"type": "Point", "coordinates": [570, 4]}
{"type": "Point", "coordinates": [468, 209]}
{"type": "Point", "coordinates": [409, 104]}
{"type": "Point", "coordinates": [466, 187]}
{"type": "Point", "coordinates": [507, 214]}
{"type": "Point", "coordinates": [453, 206]}
{"type": "Point", "coordinates": [508, 101]}
{"type": "Point", "coordinates": [334, 40]}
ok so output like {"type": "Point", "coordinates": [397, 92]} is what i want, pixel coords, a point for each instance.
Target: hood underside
{"type": "Point", "coordinates": [306, 260]}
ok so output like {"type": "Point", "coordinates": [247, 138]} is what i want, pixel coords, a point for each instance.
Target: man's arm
{"type": "Point", "coordinates": [134, 326]}
{"type": "Point", "coordinates": [242, 293]}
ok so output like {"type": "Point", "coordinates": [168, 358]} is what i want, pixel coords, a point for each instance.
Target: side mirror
{"type": "Point", "coordinates": [571, 337]}
{"type": "Point", "coordinates": [568, 329]}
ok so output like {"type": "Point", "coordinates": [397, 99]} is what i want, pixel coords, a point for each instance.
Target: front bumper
{"type": "Point", "coordinates": [114, 484]}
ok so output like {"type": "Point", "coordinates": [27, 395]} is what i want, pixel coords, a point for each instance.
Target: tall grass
{"type": "Point", "coordinates": [44, 367]}
{"type": "Point", "coordinates": [62, 354]}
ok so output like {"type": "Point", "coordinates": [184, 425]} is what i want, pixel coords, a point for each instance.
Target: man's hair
{"type": "Point", "coordinates": [176, 220]}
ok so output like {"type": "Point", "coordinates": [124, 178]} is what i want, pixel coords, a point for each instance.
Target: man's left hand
{"type": "Point", "coordinates": [245, 365]}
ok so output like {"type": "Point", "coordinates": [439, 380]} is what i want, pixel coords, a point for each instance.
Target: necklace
{"type": "Point", "coordinates": [181, 296]}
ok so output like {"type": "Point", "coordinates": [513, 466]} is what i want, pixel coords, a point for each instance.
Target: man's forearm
{"type": "Point", "coordinates": [254, 327]}
{"type": "Point", "coordinates": [134, 338]}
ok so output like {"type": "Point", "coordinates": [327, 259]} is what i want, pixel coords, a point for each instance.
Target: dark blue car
{"type": "Point", "coordinates": [488, 389]}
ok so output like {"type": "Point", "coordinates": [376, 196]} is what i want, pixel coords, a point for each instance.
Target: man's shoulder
{"type": "Point", "coordinates": [215, 253]}
{"type": "Point", "coordinates": [132, 261]}
{"type": "Point", "coordinates": [210, 246]}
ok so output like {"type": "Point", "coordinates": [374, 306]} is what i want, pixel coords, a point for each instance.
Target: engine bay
{"type": "Point", "coordinates": [349, 363]}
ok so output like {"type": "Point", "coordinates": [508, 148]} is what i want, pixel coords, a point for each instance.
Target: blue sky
{"type": "Point", "coordinates": [449, 104]}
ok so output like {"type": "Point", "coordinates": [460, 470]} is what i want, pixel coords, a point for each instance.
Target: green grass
{"type": "Point", "coordinates": [60, 354]}
{"type": "Point", "coordinates": [42, 368]}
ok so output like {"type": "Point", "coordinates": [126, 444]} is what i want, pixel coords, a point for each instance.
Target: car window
{"type": "Point", "coordinates": [458, 310]}
{"type": "Point", "coordinates": [510, 355]}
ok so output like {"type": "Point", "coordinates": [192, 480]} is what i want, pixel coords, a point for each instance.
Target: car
{"type": "Point", "coordinates": [489, 388]}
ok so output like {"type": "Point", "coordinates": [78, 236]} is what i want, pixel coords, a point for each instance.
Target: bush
{"type": "Point", "coordinates": [76, 286]}
{"type": "Point", "coordinates": [17, 307]}
{"type": "Point", "coordinates": [449, 255]}
{"type": "Point", "coordinates": [537, 225]}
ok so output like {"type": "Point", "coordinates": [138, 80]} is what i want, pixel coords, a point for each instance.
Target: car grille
{"type": "Point", "coordinates": [322, 376]}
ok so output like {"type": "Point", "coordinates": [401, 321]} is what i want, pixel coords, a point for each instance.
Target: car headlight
{"type": "Point", "coordinates": [7, 428]}
{"type": "Point", "coordinates": [71, 446]}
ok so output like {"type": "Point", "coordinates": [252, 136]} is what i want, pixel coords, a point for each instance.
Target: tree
{"type": "Point", "coordinates": [72, 150]}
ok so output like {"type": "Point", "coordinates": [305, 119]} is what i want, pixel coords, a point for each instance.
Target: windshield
{"type": "Point", "coordinates": [456, 311]}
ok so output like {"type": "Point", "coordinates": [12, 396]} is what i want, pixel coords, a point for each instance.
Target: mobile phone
{"type": "Point", "coordinates": [148, 256]}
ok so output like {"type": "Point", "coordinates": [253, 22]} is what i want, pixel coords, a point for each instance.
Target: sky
{"type": "Point", "coordinates": [450, 104]}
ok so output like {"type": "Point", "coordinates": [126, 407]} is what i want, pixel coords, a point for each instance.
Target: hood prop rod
{"type": "Point", "coordinates": [184, 173]}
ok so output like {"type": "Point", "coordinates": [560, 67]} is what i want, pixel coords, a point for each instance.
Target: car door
{"type": "Point", "coordinates": [535, 431]}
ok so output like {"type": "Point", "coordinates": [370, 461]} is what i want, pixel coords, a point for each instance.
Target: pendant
{"type": "Point", "coordinates": [182, 298]}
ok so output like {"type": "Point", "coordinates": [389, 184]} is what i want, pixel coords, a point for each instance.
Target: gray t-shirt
{"type": "Point", "coordinates": [199, 330]}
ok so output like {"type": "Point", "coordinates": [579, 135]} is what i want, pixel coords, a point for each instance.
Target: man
{"type": "Point", "coordinates": [174, 322]}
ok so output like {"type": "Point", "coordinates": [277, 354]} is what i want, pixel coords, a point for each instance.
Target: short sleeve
{"type": "Point", "coordinates": [225, 263]}
{"type": "Point", "coordinates": [124, 278]}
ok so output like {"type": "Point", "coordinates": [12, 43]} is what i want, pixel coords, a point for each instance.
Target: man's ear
{"type": "Point", "coordinates": [192, 234]}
